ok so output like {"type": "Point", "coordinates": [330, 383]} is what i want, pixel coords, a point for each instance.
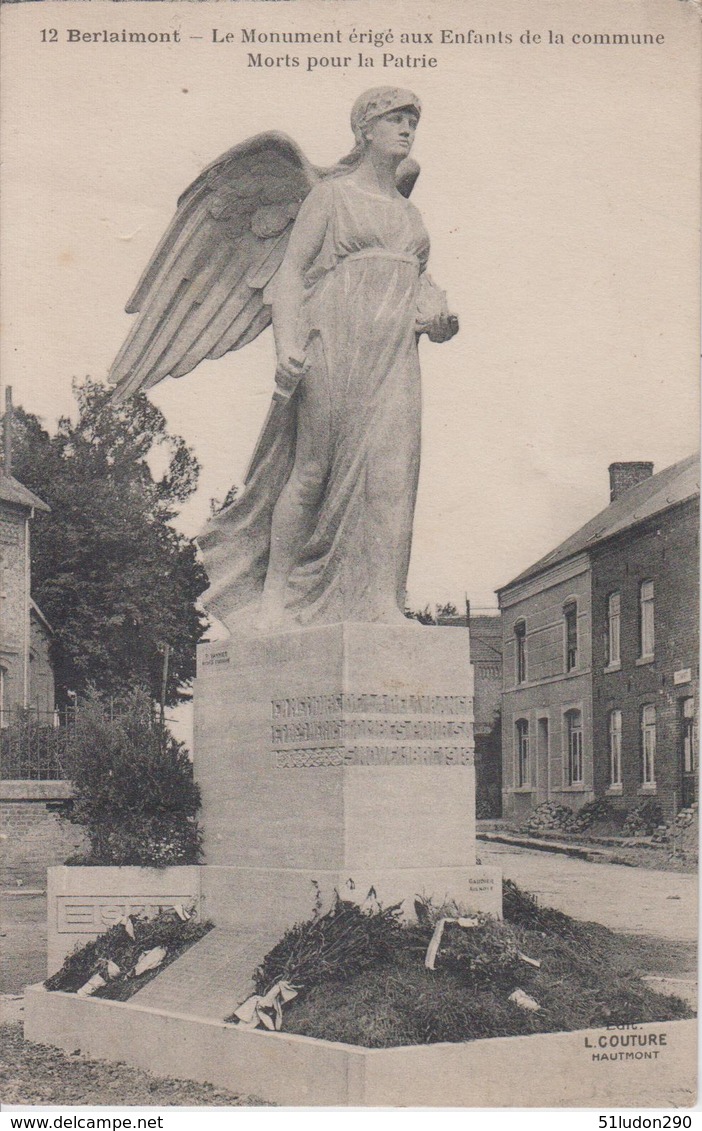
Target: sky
{"type": "Point", "coordinates": [559, 185]}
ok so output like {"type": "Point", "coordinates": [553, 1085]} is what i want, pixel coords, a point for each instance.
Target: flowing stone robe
{"type": "Point", "coordinates": [350, 433]}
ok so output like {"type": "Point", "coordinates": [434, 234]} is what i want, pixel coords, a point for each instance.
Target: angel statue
{"type": "Point", "coordinates": [336, 259]}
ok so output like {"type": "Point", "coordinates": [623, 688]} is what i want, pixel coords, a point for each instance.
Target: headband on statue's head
{"type": "Point", "coordinates": [378, 101]}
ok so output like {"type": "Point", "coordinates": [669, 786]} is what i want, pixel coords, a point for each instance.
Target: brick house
{"type": "Point", "coordinates": [571, 714]}
{"type": "Point", "coordinates": [547, 688]}
{"type": "Point", "coordinates": [26, 675]}
{"type": "Point", "coordinates": [645, 670]}
{"type": "Point", "coordinates": [32, 789]}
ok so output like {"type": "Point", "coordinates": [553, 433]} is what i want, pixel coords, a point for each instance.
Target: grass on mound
{"type": "Point", "coordinates": [117, 945]}
{"type": "Point", "coordinates": [588, 978]}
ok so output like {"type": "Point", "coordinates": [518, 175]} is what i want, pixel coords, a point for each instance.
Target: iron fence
{"type": "Point", "coordinates": [34, 745]}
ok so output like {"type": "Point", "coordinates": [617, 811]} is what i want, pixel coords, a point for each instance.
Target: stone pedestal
{"type": "Point", "coordinates": [337, 757]}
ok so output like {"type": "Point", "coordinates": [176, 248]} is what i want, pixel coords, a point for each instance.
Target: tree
{"type": "Point", "coordinates": [216, 507]}
{"type": "Point", "coordinates": [426, 616]}
{"type": "Point", "coordinates": [112, 575]}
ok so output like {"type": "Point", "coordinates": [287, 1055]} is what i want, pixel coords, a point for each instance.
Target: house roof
{"type": "Point", "coordinates": [12, 491]}
{"type": "Point", "coordinates": [486, 625]}
{"type": "Point", "coordinates": [658, 493]}
{"type": "Point", "coordinates": [485, 636]}
{"type": "Point", "coordinates": [35, 611]}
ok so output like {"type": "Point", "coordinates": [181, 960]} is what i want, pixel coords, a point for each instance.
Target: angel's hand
{"type": "Point", "coordinates": [443, 328]}
{"type": "Point", "coordinates": [289, 372]}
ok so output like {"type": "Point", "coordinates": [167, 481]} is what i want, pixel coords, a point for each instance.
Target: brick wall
{"type": "Point", "coordinates": [33, 837]}
{"type": "Point", "coordinates": [488, 693]}
{"type": "Point", "coordinates": [664, 551]}
{"type": "Point", "coordinates": [542, 612]}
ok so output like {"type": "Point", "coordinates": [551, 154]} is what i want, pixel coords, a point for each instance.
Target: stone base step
{"type": "Point", "coordinates": [212, 978]}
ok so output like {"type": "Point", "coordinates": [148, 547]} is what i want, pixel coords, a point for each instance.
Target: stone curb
{"type": "Point", "coordinates": [579, 851]}
{"type": "Point", "coordinates": [289, 1069]}
{"type": "Point", "coordinates": [22, 891]}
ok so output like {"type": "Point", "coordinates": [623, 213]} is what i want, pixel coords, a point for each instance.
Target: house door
{"type": "Point", "coordinates": [688, 752]}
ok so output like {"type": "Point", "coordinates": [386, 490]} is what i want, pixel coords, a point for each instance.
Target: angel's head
{"type": "Point", "coordinates": [385, 118]}
{"type": "Point", "coordinates": [392, 134]}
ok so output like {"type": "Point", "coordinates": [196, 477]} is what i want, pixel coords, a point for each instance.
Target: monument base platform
{"type": "Point", "coordinates": [287, 1069]}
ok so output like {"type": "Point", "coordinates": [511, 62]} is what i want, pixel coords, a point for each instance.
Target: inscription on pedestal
{"type": "Point", "coordinates": [88, 914]}
{"type": "Point", "coordinates": [215, 659]}
{"type": "Point", "coordinates": [312, 758]}
{"type": "Point", "coordinates": [302, 706]}
{"type": "Point", "coordinates": [313, 731]}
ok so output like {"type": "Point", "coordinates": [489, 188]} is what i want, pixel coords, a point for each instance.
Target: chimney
{"type": "Point", "coordinates": [624, 476]}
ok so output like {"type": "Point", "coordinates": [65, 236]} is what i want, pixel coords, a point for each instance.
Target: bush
{"type": "Point", "coordinates": [334, 946]}
{"type": "Point", "coordinates": [134, 793]}
{"type": "Point", "coordinates": [581, 974]}
{"type": "Point", "coordinates": [484, 956]}
{"type": "Point", "coordinates": [522, 909]}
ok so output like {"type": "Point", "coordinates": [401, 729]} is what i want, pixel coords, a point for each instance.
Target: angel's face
{"type": "Point", "coordinates": [393, 133]}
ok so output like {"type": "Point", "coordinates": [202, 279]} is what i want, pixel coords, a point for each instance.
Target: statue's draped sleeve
{"type": "Point", "coordinates": [431, 302]}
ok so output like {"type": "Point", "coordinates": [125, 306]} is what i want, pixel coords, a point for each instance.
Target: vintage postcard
{"type": "Point", "coordinates": [349, 512]}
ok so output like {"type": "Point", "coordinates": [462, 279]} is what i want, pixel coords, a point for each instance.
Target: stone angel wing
{"type": "Point", "coordinates": [202, 293]}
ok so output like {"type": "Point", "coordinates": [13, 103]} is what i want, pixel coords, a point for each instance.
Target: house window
{"type": "Point", "coordinates": [648, 745]}
{"type": "Point", "coordinates": [520, 650]}
{"type": "Point", "coordinates": [689, 738]}
{"type": "Point", "coordinates": [615, 748]}
{"type": "Point", "coordinates": [614, 605]}
{"type": "Point", "coordinates": [523, 776]}
{"type": "Point", "coordinates": [646, 631]}
{"type": "Point", "coordinates": [570, 613]}
{"type": "Point", "coordinates": [574, 756]}
{"type": "Point", "coordinates": [542, 744]}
